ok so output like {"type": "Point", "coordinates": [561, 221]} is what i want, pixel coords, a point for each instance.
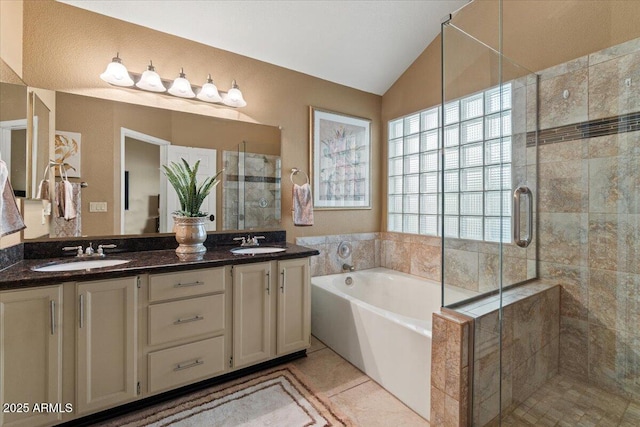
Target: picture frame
{"type": "Point", "coordinates": [67, 150]}
{"type": "Point", "coordinates": [340, 160]}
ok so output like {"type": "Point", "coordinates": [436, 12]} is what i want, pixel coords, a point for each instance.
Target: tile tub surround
{"type": "Point", "coordinates": [365, 252]}
{"type": "Point", "coordinates": [589, 217]}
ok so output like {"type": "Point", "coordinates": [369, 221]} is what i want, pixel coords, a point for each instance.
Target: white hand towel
{"type": "Point", "coordinates": [302, 209]}
{"type": "Point", "coordinates": [10, 219]}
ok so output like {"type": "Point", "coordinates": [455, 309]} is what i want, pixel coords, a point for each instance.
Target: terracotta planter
{"type": "Point", "coordinates": [190, 234]}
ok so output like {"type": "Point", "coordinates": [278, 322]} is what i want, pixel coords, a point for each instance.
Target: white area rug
{"type": "Point", "coordinates": [278, 397]}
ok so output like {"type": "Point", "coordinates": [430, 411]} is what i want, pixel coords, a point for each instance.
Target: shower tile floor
{"type": "Point", "coordinates": [567, 402]}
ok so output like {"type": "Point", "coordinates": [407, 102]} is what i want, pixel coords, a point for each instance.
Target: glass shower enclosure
{"type": "Point", "coordinates": [540, 186]}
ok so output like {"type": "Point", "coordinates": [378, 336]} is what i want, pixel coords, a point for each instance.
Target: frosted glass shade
{"type": "Point", "coordinates": [117, 74]}
{"type": "Point", "coordinates": [182, 87]}
{"type": "Point", "coordinates": [209, 92]}
{"type": "Point", "coordinates": [151, 81]}
{"type": "Point", "coordinates": [234, 98]}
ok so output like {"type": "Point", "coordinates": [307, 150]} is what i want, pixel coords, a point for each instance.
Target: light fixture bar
{"type": "Point", "coordinates": [151, 82]}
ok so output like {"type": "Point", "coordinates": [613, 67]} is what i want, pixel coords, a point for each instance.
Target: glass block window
{"type": "Point", "coordinates": [477, 169]}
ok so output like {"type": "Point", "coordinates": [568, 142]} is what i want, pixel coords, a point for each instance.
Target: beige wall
{"type": "Point", "coordinates": [11, 33]}
{"type": "Point", "coordinates": [66, 48]}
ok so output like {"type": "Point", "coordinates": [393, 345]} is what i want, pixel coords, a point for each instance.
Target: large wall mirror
{"type": "Point", "coordinates": [14, 149]}
{"type": "Point", "coordinates": [114, 152]}
{"type": "Point", "coordinates": [24, 133]}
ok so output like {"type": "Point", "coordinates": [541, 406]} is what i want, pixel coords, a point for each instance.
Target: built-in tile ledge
{"type": "Point", "coordinates": [491, 303]}
{"type": "Point", "coordinates": [589, 129]}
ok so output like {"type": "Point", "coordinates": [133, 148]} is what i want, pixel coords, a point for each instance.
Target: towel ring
{"type": "Point", "coordinates": [295, 171]}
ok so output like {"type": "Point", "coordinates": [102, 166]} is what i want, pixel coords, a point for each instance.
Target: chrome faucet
{"type": "Point", "coordinates": [348, 267]}
{"type": "Point", "coordinates": [89, 252]}
{"type": "Point", "coordinates": [249, 241]}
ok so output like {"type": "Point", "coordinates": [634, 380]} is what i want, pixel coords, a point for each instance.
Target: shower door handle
{"type": "Point", "coordinates": [517, 237]}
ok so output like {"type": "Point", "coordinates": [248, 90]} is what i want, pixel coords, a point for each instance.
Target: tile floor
{"type": "Point", "coordinates": [566, 402]}
{"type": "Point", "coordinates": [354, 393]}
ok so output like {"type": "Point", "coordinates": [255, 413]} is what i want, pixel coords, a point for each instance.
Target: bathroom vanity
{"type": "Point", "coordinates": [91, 340]}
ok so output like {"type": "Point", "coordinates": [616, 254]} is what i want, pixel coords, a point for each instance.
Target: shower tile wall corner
{"type": "Point", "coordinates": [589, 212]}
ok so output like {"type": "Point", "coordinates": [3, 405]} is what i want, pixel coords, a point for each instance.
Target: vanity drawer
{"type": "Point", "coordinates": [177, 320]}
{"type": "Point", "coordinates": [185, 364]}
{"type": "Point", "coordinates": [186, 284]}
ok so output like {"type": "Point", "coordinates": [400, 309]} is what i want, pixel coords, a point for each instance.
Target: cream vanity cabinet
{"type": "Point", "coordinates": [30, 355]}
{"type": "Point", "coordinates": [106, 343]}
{"type": "Point", "coordinates": [186, 333]}
{"type": "Point", "coordinates": [271, 310]}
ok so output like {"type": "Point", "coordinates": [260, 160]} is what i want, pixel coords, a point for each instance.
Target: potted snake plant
{"type": "Point", "coordinates": [189, 221]}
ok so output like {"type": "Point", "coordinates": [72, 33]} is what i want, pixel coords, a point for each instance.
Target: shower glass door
{"type": "Point", "coordinates": [488, 176]}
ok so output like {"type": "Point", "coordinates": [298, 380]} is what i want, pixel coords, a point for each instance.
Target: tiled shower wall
{"type": "Point", "coordinates": [251, 199]}
{"type": "Point", "coordinates": [589, 212]}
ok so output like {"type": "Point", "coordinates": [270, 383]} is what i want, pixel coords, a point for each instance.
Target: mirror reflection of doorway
{"type": "Point", "coordinates": [141, 187]}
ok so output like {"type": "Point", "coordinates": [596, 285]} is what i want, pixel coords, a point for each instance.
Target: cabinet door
{"type": "Point", "coordinates": [106, 343]}
{"type": "Point", "coordinates": [294, 306]}
{"type": "Point", "coordinates": [30, 355]}
{"type": "Point", "coordinates": [252, 289]}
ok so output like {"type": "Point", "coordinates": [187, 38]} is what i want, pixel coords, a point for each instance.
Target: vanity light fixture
{"type": "Point", "coordinates": [234, 97]}
{"type": "Point", "coordinates": [181, 86]}
{"type": "Point", "coordinates": [209, 92]}
{"type": "Point", "coordinates": [150, 80]}
{"type": "Point", "coordinates": [117, 74]}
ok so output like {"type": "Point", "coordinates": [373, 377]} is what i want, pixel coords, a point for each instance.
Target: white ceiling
{"type": "Point", "coordinates": [366, 45]}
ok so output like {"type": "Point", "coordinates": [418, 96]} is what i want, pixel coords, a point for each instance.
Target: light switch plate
{"type": "Point", "coordinates": [97, 206]}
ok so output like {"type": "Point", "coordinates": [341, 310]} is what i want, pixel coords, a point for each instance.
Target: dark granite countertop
{"type": "Point", "coordinates": [20, 275]}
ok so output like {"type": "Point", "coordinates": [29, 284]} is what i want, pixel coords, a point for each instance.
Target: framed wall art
{"type": "Point", "coordinates": [67, 150]}
{"type": "Point", "coordinates": [340, 160]}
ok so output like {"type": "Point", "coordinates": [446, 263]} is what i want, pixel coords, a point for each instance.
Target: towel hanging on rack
{"type": "Point", "coordinates": [43, 187]}
{"type": "Point", "coordinates": [65, 203]}
{"type": "Point", "coordinates": [302, 200]}
{"type": "Point", "coordinates": [10, 219]}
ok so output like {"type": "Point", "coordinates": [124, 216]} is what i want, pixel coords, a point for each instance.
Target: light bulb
{"type": "Point", "coordinates": [116, 73]}
{"type": "Point", "coordinates": [209, 92]}
{"type": "Point", "coordinates": [181, 87]}
{"type": "Point", "coordinates": [150, 80]}
{"type": "Point", "coordinates": [234, 98]}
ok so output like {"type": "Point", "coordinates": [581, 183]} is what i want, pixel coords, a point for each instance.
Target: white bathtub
{"type": "Point", "coordinates": [381, 324]}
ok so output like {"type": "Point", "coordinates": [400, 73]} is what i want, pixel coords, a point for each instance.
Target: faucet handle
{"type": "Point", "coordinates": [244, 241]}
{"type": "Point", "coordinates": [102, 247]}
{"type": "Point", "coordinates": [74, 248]}
{"type": "Point", "coordinates": [255, 239]}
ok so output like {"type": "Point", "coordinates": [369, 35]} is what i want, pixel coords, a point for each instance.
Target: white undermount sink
{"type": "Point", "coordinates": [256, 251]}
{"type": "Point", "coordinates": [79, 265]}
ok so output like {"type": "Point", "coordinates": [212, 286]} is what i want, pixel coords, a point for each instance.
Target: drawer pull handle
{"type": "Point", "coordinates": [181, 366]}
{"type": "Point", "coordinates": [184, 285]}
{"type": "Point", "coordinates": [190, 319]}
